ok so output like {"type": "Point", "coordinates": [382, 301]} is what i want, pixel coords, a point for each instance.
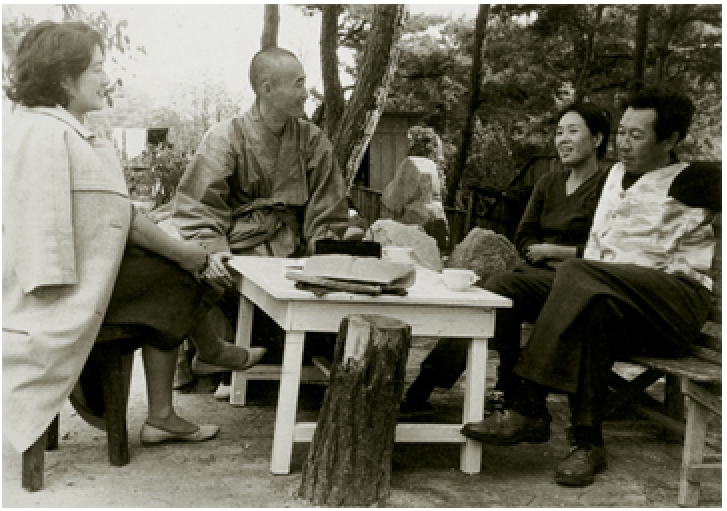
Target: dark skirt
{"type": "Point", "coordinates": [157, 294]}
{"type": "Point", "coordinates": [157, 298]}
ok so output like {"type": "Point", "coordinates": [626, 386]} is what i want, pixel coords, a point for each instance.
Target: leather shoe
{"type": "Point", "coordinates": [152, 435]}
{"type": "Point", "coordinates": [581, 464]}
{"type": "Point", "coordinates": [508, 427]}
{"type": "Point", "coordinates": [494, 400]}
{"type": "Point", "coordinates": [202, 368]}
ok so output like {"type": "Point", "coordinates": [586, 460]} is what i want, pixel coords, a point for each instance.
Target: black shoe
{"type": "Point", "coordinates": [409, 411]}
{"type": "Point", "coordinates": [494, 401]}
{"type": "Point", "coordinates": [581, 464]}
{"type": "Point", "coordinates": [508, 427]}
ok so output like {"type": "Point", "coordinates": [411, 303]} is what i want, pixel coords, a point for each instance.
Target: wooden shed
{"type": "Point", "coordinates": [387, 149]}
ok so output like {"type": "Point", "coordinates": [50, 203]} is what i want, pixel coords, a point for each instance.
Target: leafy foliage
{"type": "Point", "coordinates": [117, 44]}
{"type": "Point", "coordinates": [536, 59]}
{"type": "Point", "coordinates": [13, 31]}
{"type": "Point", "coordinates": [156, 173]}
{"type": "Point", "coordinates": [196, 107]}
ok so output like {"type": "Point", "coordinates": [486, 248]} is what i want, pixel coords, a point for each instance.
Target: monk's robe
{"type": "Point", "coordinates": [252, 192]}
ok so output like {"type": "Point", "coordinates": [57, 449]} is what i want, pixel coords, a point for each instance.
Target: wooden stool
{"type": "Point", "coordinates": [107, 353]}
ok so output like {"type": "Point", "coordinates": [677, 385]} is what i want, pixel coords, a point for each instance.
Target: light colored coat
{"type": "Point", "coordinates": [66, 218]}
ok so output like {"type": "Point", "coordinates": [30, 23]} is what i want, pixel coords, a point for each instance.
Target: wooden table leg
{"type": "Point", "coordinates": [243, 337]}
{"type": "Point", "coordinates": [474, 400]}
{"type": "Point", "coordinates": [287, 403]}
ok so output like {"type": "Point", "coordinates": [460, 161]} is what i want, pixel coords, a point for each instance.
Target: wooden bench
{"type": "Point", "coordinates": [693, 381]}
{"type": "Point", "coordinates": [114, 368]}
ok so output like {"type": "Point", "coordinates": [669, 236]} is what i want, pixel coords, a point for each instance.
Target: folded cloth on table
{"type": "Point", "coordinates": [321, 286]}
{"type": "Point", "coordinates": [323, 274]}
{"type": "Point", "coordinates": [321, 291]}
{"type": "Point", "coordinates": [362, 270]}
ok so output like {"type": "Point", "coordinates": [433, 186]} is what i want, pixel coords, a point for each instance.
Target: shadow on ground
{"type": "Point", "coordinates": [232, 471]}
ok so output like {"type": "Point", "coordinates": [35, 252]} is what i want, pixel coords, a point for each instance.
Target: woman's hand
{"type": "Point", "coordinates": [537, 252]}
{"type": "Point", "coordinates": [217, 272]}
{"type": "Point", "coordinates": [192, 257]}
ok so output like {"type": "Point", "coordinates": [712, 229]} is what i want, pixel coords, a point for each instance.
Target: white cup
{"type": "Point", "coordinates": [458, 280]}
{"type": "Point", "coordinates": [398, 254]}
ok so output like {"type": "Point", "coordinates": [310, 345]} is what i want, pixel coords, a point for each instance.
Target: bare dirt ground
{"type": "Point", "coordinates": [232, 471]}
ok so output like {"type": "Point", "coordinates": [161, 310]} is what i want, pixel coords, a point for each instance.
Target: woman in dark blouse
{"type": "Point", "coordinates": [553, 228]}
{"type": "Point", "coordinates": [555, 224]}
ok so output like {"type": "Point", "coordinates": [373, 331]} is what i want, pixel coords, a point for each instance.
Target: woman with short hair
{"type": "Point", "coordinates": [553, 228]}
{"type": "Point", "coordinates": [76, 254]}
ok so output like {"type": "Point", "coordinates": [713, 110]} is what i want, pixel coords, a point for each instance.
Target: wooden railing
{"type": "Point", "coordinates": [367, 202]}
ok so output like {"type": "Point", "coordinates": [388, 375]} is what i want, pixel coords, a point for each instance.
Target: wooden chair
{"type": "Point", "coordinates": [114, 367]}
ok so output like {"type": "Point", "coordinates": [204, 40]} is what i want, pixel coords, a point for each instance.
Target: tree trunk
{"type": "Point", "coordinates": [642, 42]}
{"type": "Point", "coordinates": [581, 87]}
{"type": "Point", "coordinates": [376, 71]}
{"type": "Point", "coordinates": [456, 175]}
{"type": "Point", "coordinates": [332, 92]}
{"type": "Point", "coordinates": [349, 460]}
{"type": "Point", "coordinates": [678, 15]}
{"type": "Point", "coordinates": [269, 38]}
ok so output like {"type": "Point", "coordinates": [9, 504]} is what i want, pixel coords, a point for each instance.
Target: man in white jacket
{"type": "Point", "coordinates": [642, 286]}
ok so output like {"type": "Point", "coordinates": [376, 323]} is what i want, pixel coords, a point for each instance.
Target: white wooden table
{"type": "Point", "coordinates": [431, 310]}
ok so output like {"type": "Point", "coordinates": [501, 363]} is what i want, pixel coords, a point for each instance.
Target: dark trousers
{"type": "Point", "coordinates": [528, 287]}
{"type": "Point", "coordinates": [596, 312]}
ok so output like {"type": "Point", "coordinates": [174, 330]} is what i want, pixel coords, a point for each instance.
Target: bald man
{"type": "Point", "coordinates": [265, 183]}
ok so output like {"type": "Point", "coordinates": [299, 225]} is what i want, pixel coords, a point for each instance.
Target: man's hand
{"type": "Point", "coordinates": [217, 272]}
{"type": "Point", "coordinates": [538, 252]}
{"type": "Point", "coordinates": [354, 233]}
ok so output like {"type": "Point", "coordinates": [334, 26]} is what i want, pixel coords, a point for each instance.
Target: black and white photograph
{"type": "Point", "coordinates": [362, 255]}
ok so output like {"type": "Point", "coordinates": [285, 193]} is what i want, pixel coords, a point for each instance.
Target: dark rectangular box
{"type": "Point", "coordinates": [346, 247]}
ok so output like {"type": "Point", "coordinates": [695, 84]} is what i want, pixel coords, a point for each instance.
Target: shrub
{"type": "Point", "coordinates": [161, 167]}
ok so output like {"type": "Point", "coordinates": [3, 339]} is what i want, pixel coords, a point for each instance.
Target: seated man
{"type": "Point", "coordinates": [265, 183]}
{"type": "Point", "coordinates": [642, 286]}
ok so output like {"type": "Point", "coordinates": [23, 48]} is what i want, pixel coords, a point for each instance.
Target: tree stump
{"type": "Point", "coordinates": [349, 461]}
